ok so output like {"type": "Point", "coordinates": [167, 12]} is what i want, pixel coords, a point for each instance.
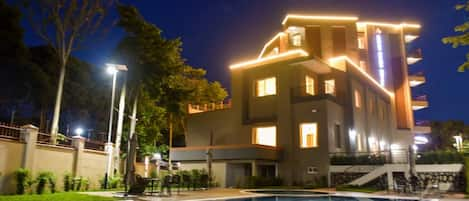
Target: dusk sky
{"type": "Point", "coordinates": [216, 33]}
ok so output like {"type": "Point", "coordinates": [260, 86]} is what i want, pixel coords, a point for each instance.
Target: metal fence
{"type": "Point", "coordinates": [94, 145]}
{"type": "Point", "coordinates": [396, 156]}
{"type": "Point", "coordinates": [10, 132]}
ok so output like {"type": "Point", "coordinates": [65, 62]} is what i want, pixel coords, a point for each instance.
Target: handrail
{"type": "Point", "coordinates": [10, 132]}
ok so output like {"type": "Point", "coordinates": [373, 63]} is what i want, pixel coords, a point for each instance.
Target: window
{"type": "Point", "coordinates": [310, 85]}
{"type": "Point", "coordinates": [265, 136]}
{"type": "Point", "coordinates": [266, 87]}
{"type": "Point", "coordinates": [363, 65]}
{"type": "Point", "coordinates": [308, 135]}
{"type": "Point", "coordinates": [296, 40]}
{"type": "Point", "coordinates": [338, 41]}
{"type": "Point", "coordinates": [359, 142]}
{"type": "Point", "coordinates": [358, 99]}
{"type": "Point", "coordinates": [329, 87]}
{"type": "Point", "coordinates": [338, 138]}
{"type": "Point", "coordinates": [361, 40]}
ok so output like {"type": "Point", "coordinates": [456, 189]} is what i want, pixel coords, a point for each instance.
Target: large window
{"type": "Point", "coordinates": [296, 40]}
{"type": "Point", "coordinates": [310, 85]}
{"type": "Point", "coordinates": [308, 135]}
{"type": "Point", "coordinates": [359, 142]}
{"type": "Point", "coordinates": [358, 99]}
{"type": "Point", "coordinates": [266, 87]}
{"type": "Point", "coordinates": [265, 136]}
{"type": "Point", "coordinates": [338, 137]}
{"type": "Point", "coordinates": [329, 87]}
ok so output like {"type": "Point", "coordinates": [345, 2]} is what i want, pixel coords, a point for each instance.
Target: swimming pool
{"type": "Point", "coordinates": [314, 198]}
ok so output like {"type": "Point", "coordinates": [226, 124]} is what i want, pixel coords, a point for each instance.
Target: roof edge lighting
{"type": "Point", "coordinates": [319, 17]}
{"type": "Point", "coordinates": [285, 55]}
{"type": "Point", "coordinates": [400, 25]}
{"type": "Point", "coordinates": [269, 43]}
{"type": "Point", "coordinates": [346, 58]}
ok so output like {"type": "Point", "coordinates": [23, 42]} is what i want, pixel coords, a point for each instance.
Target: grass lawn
{"type": "Point", "coordinates": [55, 197]}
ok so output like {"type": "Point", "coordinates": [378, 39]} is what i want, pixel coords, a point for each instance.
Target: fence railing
{"type": "Point", "coordinates": [369, 158]}
{"type": "Point", "coordinates": [10, 132]}
{"type": "Point", "coordinates": [94, 145]}
{"type": "Point", "coordinates": [192, 109]}
{"type": "Point", "coordinates": [420, 98]}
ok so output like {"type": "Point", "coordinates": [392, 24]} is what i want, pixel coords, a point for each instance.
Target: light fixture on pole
{"type": "Point", "coordinates": [112, 69]}
{"type": "Point", "coordinates": [79, 131]}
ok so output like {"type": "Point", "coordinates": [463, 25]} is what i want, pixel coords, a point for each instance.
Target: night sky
{"type": "Point", "coordinates": [216, 33]}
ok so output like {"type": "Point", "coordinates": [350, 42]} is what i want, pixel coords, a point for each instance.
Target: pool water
{"type": "Point", "coordinates": [317, 198]}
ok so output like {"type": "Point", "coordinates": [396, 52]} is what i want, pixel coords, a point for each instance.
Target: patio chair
{"type": "Point", "coordinates": [177, 180]}
{"type": "Point", "coordinates": [166, 183]}
{"type": "Point", "coordinates": [139, 187]}
{"type": "Point", "coordinates": [186, 181]}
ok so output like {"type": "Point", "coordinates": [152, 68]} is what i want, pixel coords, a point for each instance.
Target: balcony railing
{"type": "Point", "coordinates": [414, 56]}
{"type": "Point", "coordinates": [422, 127]}
{"type": "Point", "coordinates": [416, 79]}
{"type": "Point", "coordinates": [419, 102]}
{"type": "Point", "coordinates": [305, 93]}
{"type": "Point", "coordinates": [10, 132]}
{"type": "Point", "coordinates": [193, 109]}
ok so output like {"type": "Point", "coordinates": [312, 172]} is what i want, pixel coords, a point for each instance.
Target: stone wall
{"type": "Point", "coordinates": [27, 153]}
{"type": "Point", "coordinates": [452, 181]}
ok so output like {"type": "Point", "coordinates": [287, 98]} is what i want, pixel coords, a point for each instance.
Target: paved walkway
{"type": "Point", "coordinates": [227, 193]}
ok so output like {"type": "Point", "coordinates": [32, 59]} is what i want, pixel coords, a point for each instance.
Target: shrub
{"type": "Point", "coordinates": [439, 157]}
{"type": "Point", "coordinates": [42, 180]}
{"type": "Point", "coordinates": [153, 174]}
{"type": "Point", "coordinates": [466, 172]}
{"type": "Point", "coordinates": [358, 160]}
{"type": "Point", "coordinates": [68, 186]}
{"type": "Point", "coordinates": [113, 182]}
{"type": "Point", "coordinates": [23, 178]}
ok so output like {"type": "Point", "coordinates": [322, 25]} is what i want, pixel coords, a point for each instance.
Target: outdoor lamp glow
{"type": "Point", "coordinates": [111, 70]}
{"type": "Point", "coordinates": [156, 156]}
{"type": "Point", "coordinates": [79, 131]}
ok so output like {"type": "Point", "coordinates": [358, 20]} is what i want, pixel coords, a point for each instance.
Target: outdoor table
{"type": "Point", "coordinates": [152, 183]}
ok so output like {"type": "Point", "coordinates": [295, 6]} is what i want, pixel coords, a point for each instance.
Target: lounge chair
{"type": "Point", "coordinates": [139, 187]}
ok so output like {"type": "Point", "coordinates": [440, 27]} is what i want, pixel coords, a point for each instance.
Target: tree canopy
{"type": "Point", "coordinates": [462, 38]}
{"type": "Point", "coordinates": [160, 77]}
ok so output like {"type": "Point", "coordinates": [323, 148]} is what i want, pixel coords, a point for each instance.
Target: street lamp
{"type": "Point", "coordinates": [79, 131]}
{"type": "Point", "coordinates": [112, 69]}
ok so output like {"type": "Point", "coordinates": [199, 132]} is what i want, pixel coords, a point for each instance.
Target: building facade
{"type": "Point", "coordinates": [323, 85]}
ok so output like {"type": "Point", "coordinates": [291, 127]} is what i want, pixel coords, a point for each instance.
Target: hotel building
{"type": "Point", "coordinates": [322, 85]}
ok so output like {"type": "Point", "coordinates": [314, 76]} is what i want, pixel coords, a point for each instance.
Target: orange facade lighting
{"type": "Point", "coordinates": [345, 58]}
{"type": "Point", "coordinates": [270, 42]}
{"type": "Point", "coordinates": [385, 24]}
{"type": "Point", "coordinates": [271, 59]}
{"type": "Point", "coordinates": [319, 17]}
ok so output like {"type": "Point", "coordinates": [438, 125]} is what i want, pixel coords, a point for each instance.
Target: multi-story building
{"type": "Point", "coordinates": [322, 85]}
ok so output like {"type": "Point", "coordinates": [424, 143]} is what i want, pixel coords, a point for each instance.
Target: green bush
{"type": "Point", "coordinates": [68, 182]}
{"type": "Point", "coordinates": [358, 160]}
{"type": "Point", "coordinates": [43, 179]}
{"type": "Point", "coordinates": [23, 180]}
{"type": "Point", "coordinates": [439, 157]}
{"type": "Point", "coordinates": [113, 182]}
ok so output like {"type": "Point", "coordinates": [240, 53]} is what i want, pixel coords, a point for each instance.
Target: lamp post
{"type": "Point", "coordinates": [111, 69]}
{"type": "Point", "coordinates": [79, 131]}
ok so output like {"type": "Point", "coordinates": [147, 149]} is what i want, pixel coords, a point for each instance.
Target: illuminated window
{"type": "Point", "coordinates": [358, 99]}
{"type": "Point", "coordinates": [265, 136]}
{"type": "Point", "coordinates": [361, 40]}
{"type": "Point", "coordinates": [310, 85]}
{"type": "Point", "coordinates": [379, 50]}
{"type": "Point", "coordinates": [359, 142]}
{"type": "Point", "coordinates": [296, 40]}
{"type": "Point", "coordinates": [329, 87]}
{"type": "Point", "coordinates": [363, 65]}
{"type": "Point", "coordinates": [266, 87]}
{"type": "Point", "coordinates": [308, 135]}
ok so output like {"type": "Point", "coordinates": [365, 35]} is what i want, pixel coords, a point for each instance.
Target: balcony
{"type": "Point", "coordinates": [226, 152]}
{"type": "Point", "coordinates": [410, 37]}
{"type": "Point", "coordinates": [422, 127]}
{"type": "Point", "coordinates": [414, 56]}
{"type": "Point", "coordinates": [194, 109]}
{"type": "Point", "coordinates": [307, 93]}
{"type": "Point", "coordinates": [416, 79]}
{"type": "Point", "coordinates": [419, 102]}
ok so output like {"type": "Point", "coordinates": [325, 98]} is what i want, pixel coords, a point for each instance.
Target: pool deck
{"type": "Point", "coordinates": [227, 193]}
